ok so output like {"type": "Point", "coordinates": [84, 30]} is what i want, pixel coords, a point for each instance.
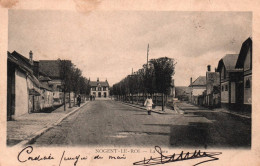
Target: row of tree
{"type": "Point", "coordinates": [153, 77]}
{"type": "Point", "coordinates": [72, 80]}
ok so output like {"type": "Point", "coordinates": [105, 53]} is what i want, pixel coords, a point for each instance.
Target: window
{"type": "Point", "coordinates": [59, 88]}
{"type": "Point", "coordinates": [226, 87]}
{"type": "Point", "coordinates": [104, 88]}
{"type": "Point", "coordinates": [99, 88]}
{"type": "Point", "coordinates": [94, 88]}
{"type": "Point", "coordinates": [222, 88]}
{"type": "Point", "coordinates": [248, 84]}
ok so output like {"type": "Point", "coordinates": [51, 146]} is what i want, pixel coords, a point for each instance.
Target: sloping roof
{"type": "Point", "coordinates": [50, 68]}
{"type": "Point", "coordinates": [43, 86]}
{"type": "Point", "coordinates": [243, 52]}
{"type": "Point", "coordinates": [44, 78]}
{"type": "Point", "coordinates": [200, 81]}
{"type": "Point", "coordinates": [95, 83]}
{"type": "Point", "coordinates": [20, 60]}
{"type": "Point", "coordinates": [229, 61]}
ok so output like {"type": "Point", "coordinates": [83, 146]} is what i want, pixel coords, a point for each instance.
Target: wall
{"type": "Point", "coordinates": [46, 99]}
{"type": "Point", "coordinates": [196, 91]}
{"type": "Point", "coordinates": [102, 92]}
{"type": "Point", "coordinates": [224, 93]}
{"type": "Point", "coordinates": [248, 91]}
{"type": "Point", "coordinates": [21, 94]}
{"type": "Point", "coordinates": [56, 91]}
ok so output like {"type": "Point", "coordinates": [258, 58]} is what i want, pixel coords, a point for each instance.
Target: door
{"type": "Point", "coordinates": [239, 93]}
{"type": "Point", "coordinates": [105, 94]}
{"type": "Point", "coordinates": [99, 94]}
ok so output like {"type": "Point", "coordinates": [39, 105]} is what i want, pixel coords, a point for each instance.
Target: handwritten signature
{"type": "Point", "coordinates": [162, 159]}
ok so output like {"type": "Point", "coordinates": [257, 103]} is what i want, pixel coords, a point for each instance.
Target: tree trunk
{"type": "Point", "coordinates": [69, 100]}
{"type": "Point", "coordinates": [162, 102]}
{"type": "Point", "coordinates": [74, 99]}
{"type": "Point", "coordinates": [143, 99]}
{"type": "Point", "coordinates": [64, 100]}
{"type": "Point", "coordinates": [137, 99]}
{"type": "Point", "coordinates": [156, 99]}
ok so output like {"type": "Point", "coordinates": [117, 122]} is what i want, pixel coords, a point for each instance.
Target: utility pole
{"type": "Point", "coordinates": [146, 72]}
{"type": "Point", "coordinates": [147, 56]}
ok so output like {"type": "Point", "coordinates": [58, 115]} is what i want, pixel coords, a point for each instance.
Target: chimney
{"type": "Point", "coordinates": [190, 80]}
{"type": "Point", "coordinates": [209, 68]}
{"type": "Point", "coordinates": [97, 79]}
{"type": "Point", "coordinates": [31, 57]}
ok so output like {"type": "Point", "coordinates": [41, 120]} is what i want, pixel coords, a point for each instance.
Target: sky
{"type": "Point", "coordinates": [108, 44]}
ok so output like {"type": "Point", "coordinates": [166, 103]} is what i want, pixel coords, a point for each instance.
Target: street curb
{"type": "Point", "coordinates": [232, 113]}
{"type": "Point", "coordinates": [142, 108]}
{"type": "Point", "coordinates": [45, 129]}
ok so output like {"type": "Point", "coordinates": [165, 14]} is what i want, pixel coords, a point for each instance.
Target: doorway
{"type": "Point", "coordinates": [99, 94]}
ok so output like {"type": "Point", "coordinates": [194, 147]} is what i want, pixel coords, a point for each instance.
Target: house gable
{"type": "Point", "coordinates": [248, 61]}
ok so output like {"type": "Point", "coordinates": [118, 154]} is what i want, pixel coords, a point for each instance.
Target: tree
{"type": "Point", "coordinates": [65, 75]}
{"type": "Point", "coordinates": [163, 72]}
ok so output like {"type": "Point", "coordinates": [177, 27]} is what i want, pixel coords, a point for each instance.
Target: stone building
{"type": "Point", "coordinates": [197, 88]}
{"type": "Point", "coordinates": [212, 98]}
{"type": "Point", "coordinates": [51, 69]}
{"type": "Point", "coordinates": [244, 85]}
{"type": "Point", "coordinates": [99, 89]}
{"type": "Point", "coordinates": [229, 81]}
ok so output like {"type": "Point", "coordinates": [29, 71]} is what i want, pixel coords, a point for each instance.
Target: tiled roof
{"type": "Point", "coordinates": [200, 81]}
{"type": "Point", "coordinates": [229, 61]}
{"type": "Point", "coordinates": [95, 83]}
{"type": "Point", "coordinates": [21, 58]}
{"type": "Point", "coordinates": [42, 78]}
{"type": "Point", "coordinates": [50, 68]}
{"type": "Point", "coordinates": [20, 61]}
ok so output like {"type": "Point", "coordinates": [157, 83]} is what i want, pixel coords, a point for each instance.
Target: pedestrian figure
{"type": "Point", "coordinates": [148, 104]}
{"type": "Point", "coordinates": [90, 97]}
{"type": "Point", "coordinates": [79, 100]}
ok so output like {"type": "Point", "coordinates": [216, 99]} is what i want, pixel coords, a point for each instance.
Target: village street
{"type": "Point", "coordinates": [113, 123]}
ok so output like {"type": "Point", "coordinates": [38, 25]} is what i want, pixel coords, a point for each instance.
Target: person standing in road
{"type": "Point", "coordinates": [148, 104]}
{"type": "Point", "coordinates": [79, 100]}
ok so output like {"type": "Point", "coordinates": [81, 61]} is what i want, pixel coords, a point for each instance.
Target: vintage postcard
{"type": "Point", "coordinates": [92, 82]}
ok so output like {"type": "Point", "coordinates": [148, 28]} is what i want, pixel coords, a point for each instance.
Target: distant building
{"type": "Point", "coordinates": [51, 69]}
{"type": "Point", "coordinates": [230, 82]}
{"type": "Point", "coordinates": [197, 89]}
{"type": "Point", "coordinates": [244, 85]}
{"type": "Point", "coordinates": [212, 98]}
{"type": "Point", "coordinates": [99, 89]}
{"type": "Point", "coordinates": [182, 93]}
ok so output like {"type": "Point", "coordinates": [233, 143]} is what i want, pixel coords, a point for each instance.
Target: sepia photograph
{"type": "Point", "coordinates": [177, 79]}
{"type": "Point", "coordinates": [93, 82]}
